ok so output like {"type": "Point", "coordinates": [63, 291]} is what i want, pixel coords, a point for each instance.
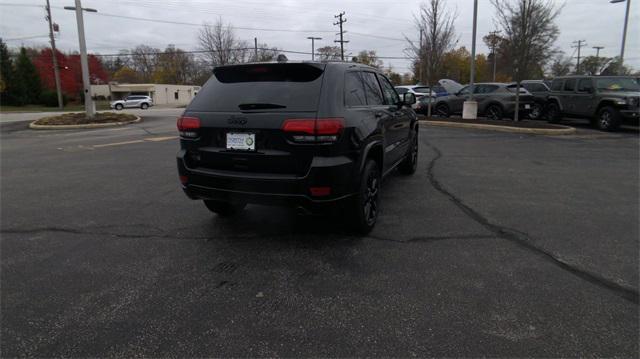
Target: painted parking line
{"type": "Point", "coordinates": [114, 144]}
{"type": "Point", "coordinates": [117, 143]}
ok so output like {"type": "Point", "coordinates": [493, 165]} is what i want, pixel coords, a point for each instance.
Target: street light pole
{"type": "Point", "coordinates": [624, 31]}
{"type": "Point", "coordinates": [313, 46]}
{"type": "Point", "coordinates": [84, 63]}
{"type": "Point", "coordinates": [470, 107]}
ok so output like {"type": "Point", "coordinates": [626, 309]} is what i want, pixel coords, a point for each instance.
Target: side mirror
{"type": "Point", "coordinates": [408, 99]}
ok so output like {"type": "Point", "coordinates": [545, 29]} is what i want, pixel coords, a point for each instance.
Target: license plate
{"type": "Point", "coordinates": [526, 107]}
{"type": "Point", "coordinates": [241, 141]}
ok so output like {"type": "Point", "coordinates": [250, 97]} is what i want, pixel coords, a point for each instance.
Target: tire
{"type": "Point", "coordinates": [144, 106]}
{"type": "Point", "coordinates": [410, 162]}
{"type": "Point", "coordinates": [608, 119]}
{"type": "Point", "coordinates": [536, 111]}
{"type": "Point", "coordinates": [363, 210]}
{"type": "Point", "coordinates": [223, 209]}
{"type": "Point", "coordinates": [119, 107]}
{"type": "Point", "coordinates": [442, 110]}
{"type": "Point", "coordinates": [494, 113]}
{"type": "Point", "coordinates": [553, 113]}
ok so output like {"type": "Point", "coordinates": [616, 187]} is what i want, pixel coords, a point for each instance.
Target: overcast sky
{"type": "Point", "coordinates": [373, 25]}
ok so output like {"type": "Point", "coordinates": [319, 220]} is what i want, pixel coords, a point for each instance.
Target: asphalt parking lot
{"type": "Point", "coordinates": [500, 245]}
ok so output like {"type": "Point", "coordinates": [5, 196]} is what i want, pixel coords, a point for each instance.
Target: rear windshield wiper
{"type": "Point", "coordinates": [259, 106]}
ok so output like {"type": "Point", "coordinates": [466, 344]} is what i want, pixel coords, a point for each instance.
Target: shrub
{"type": "Point", "coordinates": [50, 99]}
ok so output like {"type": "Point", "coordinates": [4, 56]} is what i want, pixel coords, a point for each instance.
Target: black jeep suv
{"type": "Point", "coordinates": [315, 136]}
{"type": "Point", "coordinates": [606, 101]}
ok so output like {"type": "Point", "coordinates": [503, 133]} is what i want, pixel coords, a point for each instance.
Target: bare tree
{"type": "Point", "coordinates": [529, 33]}
{"type": "Point", "coordinates": [265, 53]}
{"type": "Point", "coordinates": [370, 58]}
{"type": "Point", "coordinates": [221, 45]}
{"type": "Point", "coordinates": [328, 53]}
{"type": "Point", "coordinates": [144, 60]}
{"type": "Point", "coordinates": [436, 24]}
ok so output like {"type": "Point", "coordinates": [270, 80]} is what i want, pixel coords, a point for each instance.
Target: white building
{"type": "Point", "coordinates": [160, 93]}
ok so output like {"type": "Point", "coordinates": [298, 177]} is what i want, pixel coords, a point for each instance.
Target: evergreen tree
{"type": "Point", "coordinates": [6, 74]}
{"type": "Point", "coordinates": [27, 81]}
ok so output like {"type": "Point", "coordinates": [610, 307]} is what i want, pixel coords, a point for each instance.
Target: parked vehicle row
{"type": "Point", "coordinates": [607, 102]}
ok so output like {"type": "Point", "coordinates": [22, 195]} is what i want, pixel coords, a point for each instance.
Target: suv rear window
{"type": "Point", "coordinates": [287, 87]}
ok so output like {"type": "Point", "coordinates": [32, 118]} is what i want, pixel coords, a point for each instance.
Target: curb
{"type": "Point", "coordinates": [33, 125]}
{"type": "Point", "coordinates": [564, 130]}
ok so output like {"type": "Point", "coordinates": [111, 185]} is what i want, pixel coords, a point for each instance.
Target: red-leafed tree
{"type": "Point", "coordinates": [70, 72]}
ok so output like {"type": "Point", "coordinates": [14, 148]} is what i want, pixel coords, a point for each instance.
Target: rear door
{"type": "Point", "coordinates": [242, 111]}
{"type": "Point", "coordinates": [132, 101]}
{"type": "Point", "coordinates": [402, 119]}
{"type": "Point", "coordinates": [569, 96]}
{"type": "Point", "coordinates": [584, 98]}
{"type": "Point", "coordinates": [388, 117]}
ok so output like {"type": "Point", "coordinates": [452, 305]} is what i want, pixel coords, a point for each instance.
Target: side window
{"type": "Point", "coordinates": [390, 95]}
{"type": "Point", "coordinates": [556, 85]}
{"type": "Point", "coordinates": [353, 89]}
{"type": "Point", "coordinates": [570, 85]}
{"type": "Point", "coordinates": [466, 90]}
{"type": "Point", "coordinates": [401, 90]}
{"type": "Point", "coordinates": [372, 89]}
{"type": "Point", "coordinates": [584, 85]}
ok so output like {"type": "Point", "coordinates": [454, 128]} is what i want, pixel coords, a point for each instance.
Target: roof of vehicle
{"type": "Point", "coordinates": [332, 63]}
{"type": "Point", "coordinates": [591, 76]}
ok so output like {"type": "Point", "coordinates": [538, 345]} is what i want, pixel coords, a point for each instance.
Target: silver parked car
{"type": "Point", "coordinates": [495, 101]}
{"type": "Point", "coordinates": [133, 101]}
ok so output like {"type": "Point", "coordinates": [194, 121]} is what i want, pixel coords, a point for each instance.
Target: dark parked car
{"type": "Point", "coordinates": [606, 102]}
{"type": "Point", "coordinates": [495, 101]}
{"type": "Point", "coordinates": [315, 136]}
{"type": "Point", "coordinates": [540, 92]}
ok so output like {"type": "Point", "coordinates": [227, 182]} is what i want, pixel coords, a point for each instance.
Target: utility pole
{"type": "Point", "coordinates": [255, 48]}
{"type": "Point", "coordinates": [86, 83]}
{"type": "Point", "coordinates": [313, 46]}
{"type": "Point", "coordinates": [493, 35]}
{"type": "Point", "coordinates": [579, 45]}
{"type": "Point", "coordinates": [421, 56]}
{"type": "Point", "coordinates": [341, 41]}
{"type": "Point", "coordinates": [598, 48]}
{"type": "Point", "coordinates": [56, 68]}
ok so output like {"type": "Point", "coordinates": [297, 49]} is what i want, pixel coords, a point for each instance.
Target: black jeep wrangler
{"type": "Point", "coordinates": [315, 136]}
{"type": "Point", "coordinates": [605, 101]}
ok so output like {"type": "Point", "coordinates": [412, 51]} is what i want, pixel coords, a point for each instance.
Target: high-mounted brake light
{"type": "Point", "coordinates": [188, 126]}
{"type": "Point", "coordinates": [314, 130]}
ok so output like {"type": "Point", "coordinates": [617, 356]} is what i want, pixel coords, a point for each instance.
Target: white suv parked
{"type": "Point", "coordinates": [133, 101]}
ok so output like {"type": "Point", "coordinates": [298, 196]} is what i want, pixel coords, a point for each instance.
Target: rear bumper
{"type": "Point", "coordinates": [274, 189]}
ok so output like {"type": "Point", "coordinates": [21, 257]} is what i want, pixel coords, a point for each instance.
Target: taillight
{"type": "Point", "coordinates": [314, 130]}
{"type": "Point", "coordinates": [188, 126]}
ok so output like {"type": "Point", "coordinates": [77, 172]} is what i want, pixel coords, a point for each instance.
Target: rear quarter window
{"type": "Point", "coordinates": [293, 87]}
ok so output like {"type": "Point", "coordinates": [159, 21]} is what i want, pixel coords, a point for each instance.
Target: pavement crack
{"type": "Point", "coordinates": [524, 240]}
{"type": "Point", "coordinates": [434, 238]}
